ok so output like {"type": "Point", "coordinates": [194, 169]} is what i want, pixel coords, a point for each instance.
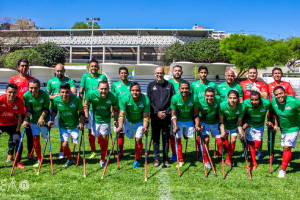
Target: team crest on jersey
{"type": "Point", "coordinates": [118, 86]}
{"type": "Point", "coordinates": [276, 105]}
{"type": "Point", "coordinates": [216, 105]}
{"type": "Point", "coordinates": [108, 101]}
{"type": "Point", "coordinates": [197, 86]}
{"type": "Point", "coordinates": [258, 84]}
{"type": "Point", "coordinates": [15, 107]}
{"type": "Point", "coordinates": [179, 104]}
{"type": "Point", "coordinates": [262, 110]}
{"type": "Point", "coordinates": [288, 107]}
{"type": "Point", "coordinates": [129, 104]}
{"type": "Point", "coordinates": [41, 101]}
{"type": "Point", "coordinates": [59, 104]}
{"type": "Point", "coordinates": [96, 99]}
{"type": "Point", "coordinates": [30, 100]}
{"type": "Point", "coordinates": [154, 88]}
{"type": "Point", "coordinates": [141, 105]}
{"type": "Point", "coordinates": [3, 105]}
{"type": "Point", "coordinates": [190, 104]}
{"type": "Point", "coordinates": [72, 105]}
{"type": "Point", "coordinates": [128, 87]}
{"type": "Point", "coordinates": [237, 112]}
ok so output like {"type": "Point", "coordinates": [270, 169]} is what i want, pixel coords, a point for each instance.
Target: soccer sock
{"type": "Point", "coordinates": [252, 151]}
{"type": "Point", "coordinates": [61, 147]}
{"type": "Point", "coordinates": [140, 150]}
{"type": "Point", "coordinates": [68, 153]}
{"type": "Point", "coordinates": [219, 145]}
{"type": "Point", "coordinates": [37, 146]}
{"type": "Point", "coordinates": [179, 146]}
{"type": "Point", "coordinates": [172, 144]}
{"type": "Point", "coordinates": [198, 146]}
{"type": "Point", "coordinates": [98, 139]}
{"type": "Point", "coordinates": [205, 152]}
{"type": "Point", "coordinates": [121, 144]}
{"type": "Point", "coordinates": [230, 150]}
{"type": "Point", "coordinates": [286, 158]}
{"type": "Point", "coordinates": [103, 145]}
{"type": "Point", "coordinates": [226, 145]}
{"type": "Point", "coordinates": [136, 152]}
{"type": "Point", "coordinates": [92, 141]}
{"type": "Point", "coordinates": [257, 144]}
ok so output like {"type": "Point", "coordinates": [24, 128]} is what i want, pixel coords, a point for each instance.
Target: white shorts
{"type": "Point", "coordinates": [36, 130]}
{"type": "Point", "coordinates": [56, 122]}
{"type": "Point", "coordinates": [100, 129]}
{"type": "Point", "coordinates": [64, 135]}
{"type": "Point", "coordinates": [91, 119]}
{"type": "Point", "coordinates": [233, 132]}
{"type": "Point", "coordinates": [289, 139]}
{"type": "Point", "coordinates": [124, 127]}
{"type": "Point", "coordinates": [212, 128]}
{"type": "Point", "coordinates": [134, 130]}
{"type": "Point", "coordinates": [255, 133]}
{"type": "Point", "coordinates": [186, 128]}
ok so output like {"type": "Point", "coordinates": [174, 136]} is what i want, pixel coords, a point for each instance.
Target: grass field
{"type": "Point", "coordinates": [128, 182]}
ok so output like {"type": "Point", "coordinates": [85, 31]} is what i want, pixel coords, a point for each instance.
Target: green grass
{"type": "Point", "coordinates": [128, 182]}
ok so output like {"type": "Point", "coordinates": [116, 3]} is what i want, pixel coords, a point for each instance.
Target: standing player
{"type": "Point", "coordinates": [228, 85]}
{"type": "Point", "coordinates": [37, 108]}
{"type": "Point", "coordinates": [121, 88]}
{"type": "Point", "coordinates": [287, 111]}
{"type": "Point", "coordinates": [21, 80]}
{"type": "Point", "coordinates": [70, 109]}
{"type": "Point", "coordinates": [199, 87]}
{"type": "Point", "coordinates": [52, 88]}
{"type": "Point", "coordinates": [256, 109]}
{"type": "Point", "coordinates": [185, 108]}
{"type": "Point", "coordinates": [209, 118]}
{"type": "Point", "coordinates": [231, 114]}
{"type": "Point", "coordinates": [277, 75]}
{"type": "Point", "coordinates": [177, 73]}
{"type": "Point", "coordinates": [102, 101]}
{"type": "Point", "coordinates": [137, 108]}
{"type": "Point", "coordinates": [89, 83]}
{"type": "Point", "coordinates": [12, 109]}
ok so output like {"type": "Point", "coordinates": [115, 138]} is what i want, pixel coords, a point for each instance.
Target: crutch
{"type": "Point", "coordinates": [109, 156]}
{"type": "Point", "coordinates": [17, 154]}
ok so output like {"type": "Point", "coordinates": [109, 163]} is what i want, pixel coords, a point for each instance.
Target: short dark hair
{"type": "Point", "coordinates": [279, 87]}
{"type": "Point", "coordinates": [177, 66]}
{"type": "Point", "coordinates": [202, 67]}
{"type": "Point", "coordinates": [34, 81]}
{"type": "Point", "coordinates": [252, 67]}
{"type": "Point", "coordinates": [209, 89]}
{"type": "Point", "coordinates": [254, 93]}
{"type": "Point", "coordinates": [123, 68]}
{"type": "Point", "coordinates": [233, 92]}
{"type": "Point", "coordinates": [134, 84]}
{"type": "Point", "coordinates": [65, 86]}
{"type": "Point", "coordinates": [23, 60]}
{"type": "Point", "coordinates": [276, 68]}
{"type": "Point", "coordinates": [184, 82]}
{"type": "Point", "coordinates": [12, 85]}
{"type": "Point", "coordinates": [103, 82]}
{"type": "Point", "coordinates": [94, 60]}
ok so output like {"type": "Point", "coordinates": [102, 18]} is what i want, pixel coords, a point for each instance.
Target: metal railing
{"type": "Point", "coordinates": [160, 63]}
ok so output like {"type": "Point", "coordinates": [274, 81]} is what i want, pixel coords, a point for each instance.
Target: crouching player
{"type": "Point", "coordinates": [37, 108]}
{"type": "Point", "coordinates": [102, 100]}
{"type": "Point", "coordinates": [209, 118]}
{"type": "Point", "coordinates": [287, 109]}
{"type": "Point", "coordinates": [185, 107]}
{"type": "Point", "coordinates": [256, 109]}
{"type": "Point", "coordinates": [231, 113]}
{"type": "Point", "coordinates": [136, 107]}
{"type": "Point", "coordinates": [70, 109]}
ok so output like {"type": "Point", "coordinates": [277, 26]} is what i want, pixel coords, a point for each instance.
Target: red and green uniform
{"type": "Point", "coordinates": [22, 84]}
{"type": "Point", "coordinates": [223, 89]}
{"type": "Point", "coordinates": [199, 88]}
{"type": "Point", "coordinates": [176, 85]}
{"type": "Point", "coordinates": [8, 112]}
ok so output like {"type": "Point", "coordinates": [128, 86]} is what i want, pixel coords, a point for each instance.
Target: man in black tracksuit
{"type": "Point", "coordinates": [160, 93]}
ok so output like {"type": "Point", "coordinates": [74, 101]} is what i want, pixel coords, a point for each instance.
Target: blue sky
{"type": "Point", "coordinates": [269, 17]}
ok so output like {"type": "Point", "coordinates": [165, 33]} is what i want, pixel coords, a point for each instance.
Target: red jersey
{"type": "Point", "coordinates": [22, 84]}
{"type": "Point", "coordinates": [286, 85]}
{"type": "Point", "coordinates": [260, 85]}
{"type": "Point", "coordinates": [8, 112]}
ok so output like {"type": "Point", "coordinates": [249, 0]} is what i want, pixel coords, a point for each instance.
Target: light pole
{"type": "Point", "coordinates": [92, 20]}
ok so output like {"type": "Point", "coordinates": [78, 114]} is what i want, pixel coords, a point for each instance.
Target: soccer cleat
{"type": "Point", "coordinates": [273, 159]}
{"type": "Point", "coordinates": [9, 158]}
{"type": "Point", "coordinates": [174, 157]}
{"type": "Point", "coordinates": [121, 157]}
{"type": "Point", "coordinates": [207, 165]}
{"type": "Point", "coordinates": [228, 162]}
{"type": "Point", "coordinates": [20, 165]}
{"type": "Point", "coordinates": [260, 157]}
{"type": "Point", "coordinates": [37, 164]}
{"type": "Point", "coordinates": [61, 155]}
{"type": "Point", "coordinates": [102, 163]}
{"type": "Point", "coordinates": [253, 166]}
{"type": "Point", "coordinates": [68, 163]}
{"type": "Point", "coordinates": [181, 163]}
{"type": "Point", "coordinates": [136, 164]}
{"type": "Point", "coordinates": [282, 174]}
{"type": "Point", "coordinates": [93, 155]}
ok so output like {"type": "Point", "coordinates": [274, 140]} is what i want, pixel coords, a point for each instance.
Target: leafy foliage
{"type": "Point", "coordinates": [51, 53]}
{"type": "Point", "coordinates": [83, 25]}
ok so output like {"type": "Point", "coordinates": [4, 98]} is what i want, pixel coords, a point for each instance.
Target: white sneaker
{"type": "Point", "coordinates": [282, 174]}
{"type": "Point", "coordinates": [181, 163]}
{"type": "Point", "coordinates": [61, 155]}
{"type": "Point", "coordinates": [207, 165]}
{"type": "Point", "coordinates": [102, 163]}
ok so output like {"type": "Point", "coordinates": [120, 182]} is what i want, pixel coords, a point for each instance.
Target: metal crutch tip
{"type": "Point", "coordinates": [223, 178]}
{"type": "Point", "coordinates": [216, 175]}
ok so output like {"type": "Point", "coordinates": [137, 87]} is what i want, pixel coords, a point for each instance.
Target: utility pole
{"type": "Point", "coordinates": [294, 33]}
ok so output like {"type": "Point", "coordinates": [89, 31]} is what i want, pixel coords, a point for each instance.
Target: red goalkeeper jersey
{"type": "Point", "coordinates": [260, 85]}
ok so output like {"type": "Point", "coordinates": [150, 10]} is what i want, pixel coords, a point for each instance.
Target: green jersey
{"type": "Point", "coordinates": [119, 89]}
{"type": "Point", "coordinates": [54, 83]}
{"type": "Point", "coordinates": [209, 113]}
{"type": "Point", "coordinates": [36, 105]}
{"type": "Point", "coordinates": [69, 117]}
{"type": "Point", "coordinates": [176, 85]}
{"type": "Point", "coordinates": [288, 114]}
{"type": "Point", "coordinates": [90, 84]}
{"type": "Point", "coordinates": [101, 107]}
{"type": "Point", "coordinates": [223, 89]}
{"type": "Point", "coordinates": [231, 116]}
{"type": "Point", "coordinates": [255, 117]}
{"type": "Point", "coordinates": [184, 109]}
{"type": "Point", "coordinates": [199, 88]}
{"type": "Point", "coordinates": [135, 110]}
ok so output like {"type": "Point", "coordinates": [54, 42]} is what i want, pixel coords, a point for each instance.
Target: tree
{"type": "Point", "coordinates": [51, 53]}
{"type": "Point", "coordinates": [30, 54]}
{"type": "Point", "coordinates": [82, 25]}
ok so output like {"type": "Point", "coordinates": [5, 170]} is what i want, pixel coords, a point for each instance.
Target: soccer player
{"type": "Point", "coordinates": [277, 75]}
{"type": "Point", "coordinates": [21, 80]}
{"type": "Point", "coordinates": [12, 109]}
{"type": "Point", "coordinates": [101, 100]}
{"type": "Point", "coordinates": [199, 87]}
{"type": "Point", "coordinates": [185, 108]}
{"type": "Point", "coordinates": [177, 73]}
{"type": "Point", "coordinates": [121, 88]}
{"type": "Point", "coordinates": [228, 85]}
{"type": "Point", "coordinates": [70, 109]}
{"type": "Point", "coordinates": [256, 109]}
{"type": "Point", "coordinates": [137, 108]}
{"type": "Point", "coordinates": [89, 83]}
{"type": "Point", "coordinates": [53, 87]}
{"type": "Point", "coordinates": [209, 118]}
{"type": "Point", "coordinates": [231, 113]}
{"type": "Point", "coordinates": [37, 108]}
{"type": "Point", "coordinates": [287, 109]}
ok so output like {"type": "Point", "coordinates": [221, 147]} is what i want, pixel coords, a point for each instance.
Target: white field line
{"type": "Point", "coordinates": [164, 185]}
